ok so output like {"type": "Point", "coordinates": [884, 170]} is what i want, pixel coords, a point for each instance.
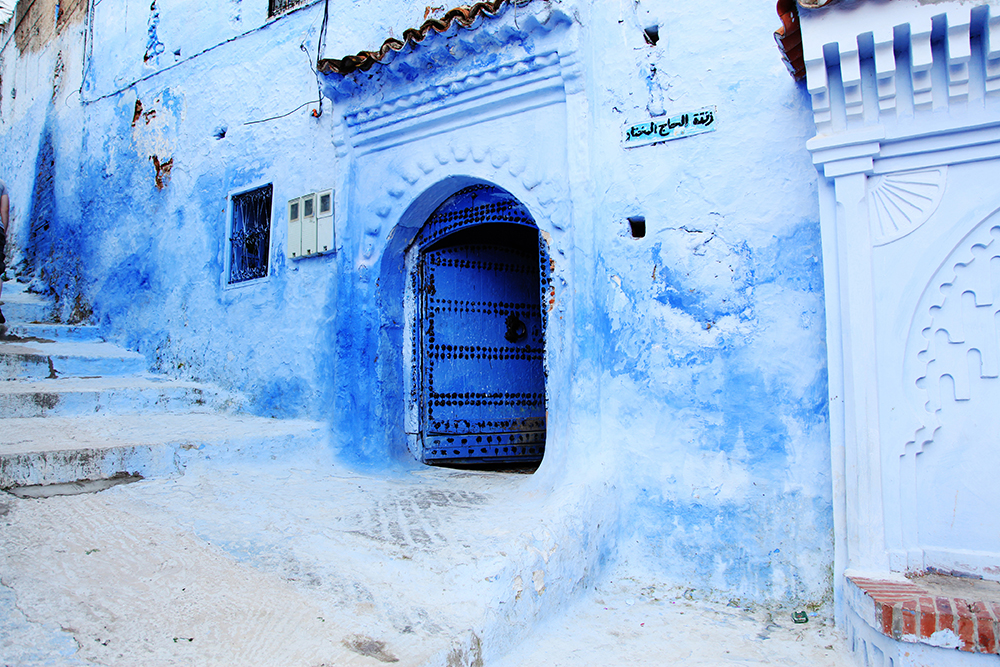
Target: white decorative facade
{"type": "Point", "coordinates": [906, 100]}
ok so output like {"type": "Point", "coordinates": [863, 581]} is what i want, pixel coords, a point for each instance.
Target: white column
{"type": "Point", "coordinates": [865, 523]}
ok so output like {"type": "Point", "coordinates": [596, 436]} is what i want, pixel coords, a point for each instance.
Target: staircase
{"type": "Point", "coordinates": [74, 408]}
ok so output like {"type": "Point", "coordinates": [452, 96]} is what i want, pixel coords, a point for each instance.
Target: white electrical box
{"type": "Point", "coordinates": [294, 250]}
{"type": "Point", "coordinates": [324, 221]}
{"type": "Point", "coordinates": [310, 225]}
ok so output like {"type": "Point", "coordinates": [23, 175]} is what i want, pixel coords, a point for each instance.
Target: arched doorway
{"type": "Point", "coordinates": [478, 332]}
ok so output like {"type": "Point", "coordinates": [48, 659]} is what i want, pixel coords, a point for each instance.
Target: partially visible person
{"type": "Point", "coordinates": [4, 217]}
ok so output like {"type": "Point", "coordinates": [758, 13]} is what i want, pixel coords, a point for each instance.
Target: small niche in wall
{"type": "Point", "coordinates": [637, 226]}
{"type": "Point", "coordinates": [652, 34]}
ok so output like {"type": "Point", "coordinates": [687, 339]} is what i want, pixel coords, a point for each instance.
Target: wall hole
{"type": "Point", "coordinates": [637, 225]}
{"type": "Point", "coordinates": [652, 34]}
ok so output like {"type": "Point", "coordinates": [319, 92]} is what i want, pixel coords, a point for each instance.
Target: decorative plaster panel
{"type": "Point", "coordinates": [955, 321]}
{"type": "Point", "coordinates": [900, 202]}
{"type": "Point", "coordinates": [952, 372]}
{"type": "Point", "coordinates": [452, 128]}
{"type": "Point", "coordinates": [495, 164]}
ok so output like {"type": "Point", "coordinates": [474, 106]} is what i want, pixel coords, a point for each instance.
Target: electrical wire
{"type": "Point", "coordinates": [320, 47]}
{"type": "Point", "coordinates": [264, 120]}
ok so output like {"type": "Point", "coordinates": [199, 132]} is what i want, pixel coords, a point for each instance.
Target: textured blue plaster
{"type": "Point", "coordinates": [687, 293]}
{"type": "Point", "coordinates": [279, 397]}
{"type": "Point", "coordinates": [42, 216]}
{"type": "Point", "coordinates": [738, 547]}
{"type": "Point", "coordinates": [794, 260]}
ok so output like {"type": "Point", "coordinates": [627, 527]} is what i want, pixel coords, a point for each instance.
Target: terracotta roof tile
{"type": "Point", "coordinates": [466, 16]}
{"type": "Point", "coordinates": [789, 36]}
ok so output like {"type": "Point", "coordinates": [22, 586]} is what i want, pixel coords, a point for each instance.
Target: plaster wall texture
{"type": "Point", "coordinates": [713, 359]}
{"type": "Point", "coordinates": [688, 431]}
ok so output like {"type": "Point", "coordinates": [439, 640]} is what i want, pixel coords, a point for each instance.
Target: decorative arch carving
{"type": "Point", "coordinates": [953, 328]}
{"type": "Point", "coordinates": [528, 181]}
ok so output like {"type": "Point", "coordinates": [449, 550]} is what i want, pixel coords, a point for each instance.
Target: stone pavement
{"type": "Point", "coordinates": [266, 564]}
{"type": "Point", "coordinates": [306, 563]}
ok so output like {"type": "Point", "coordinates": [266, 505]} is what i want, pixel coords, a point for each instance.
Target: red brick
{"type": "Point", "coordinates": [945, 614]}
{"type": "Point", "coordinates": [908, 613]}
{"type": "Point", "coordinates": [966, 625]}
{"type": "Point", "coordinates": [928, 613]}
{"type": "Point", "coordinates": [883, 614]}
{"type": "Point", "coordinates": [985, 629]}
{"type": "Point", "coordinates": [980, 608]}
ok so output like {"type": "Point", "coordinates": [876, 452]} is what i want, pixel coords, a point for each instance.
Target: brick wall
{"type": "Point", "coordinates": [907, 611]}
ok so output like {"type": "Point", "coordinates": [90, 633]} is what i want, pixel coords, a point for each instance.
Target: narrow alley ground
{"type": "Point", "coordinates": [310, 564]}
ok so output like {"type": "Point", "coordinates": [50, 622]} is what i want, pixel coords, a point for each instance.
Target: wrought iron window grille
{"type": "Point", "coordinates": [276, 7]}
{"type": "Point", "coordinates": [250, 235]}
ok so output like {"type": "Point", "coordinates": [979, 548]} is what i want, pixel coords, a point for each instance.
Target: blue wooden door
{"type": "Point", "coordinates": [482, 346]}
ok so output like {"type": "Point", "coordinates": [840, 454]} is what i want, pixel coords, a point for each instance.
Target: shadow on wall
{"type": "Point", "coordinates": [51, 251]}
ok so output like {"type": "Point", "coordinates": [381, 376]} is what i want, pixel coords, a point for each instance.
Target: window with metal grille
{"type": "Point", "coordinates": [275, 7]}
{"type": "Point", "coordinates": [250, 235]}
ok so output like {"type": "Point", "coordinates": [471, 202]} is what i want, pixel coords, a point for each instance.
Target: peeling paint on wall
{"type": "Point", "coordinates": [38, 21]}
{"type": "Point", "coordinates": [162, 171]}
{"type": "Point", "coordinates": [154, 47]}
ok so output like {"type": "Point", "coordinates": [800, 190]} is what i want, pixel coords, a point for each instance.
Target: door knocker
{"type": "Point", "coordinates": [516, 329]}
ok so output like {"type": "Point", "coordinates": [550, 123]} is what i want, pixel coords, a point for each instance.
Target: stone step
{"type": "Point", "coordinates": [19, 305]}
{"type": "Point", "coordinates": [36, 359]}
{"type": "Point", "coordinates": [60, 450]}
{"type": "Point", "coordinates": [124, 395]}
{"type": "Point", "coordinates": [50, 331]}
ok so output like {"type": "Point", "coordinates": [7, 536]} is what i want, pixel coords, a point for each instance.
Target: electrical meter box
{"type": "Point", "coordinates": [324, 222]}
{"type": "Point", "coordinates": [310, 225]}
{"type": "Point", "coordinates": [294, 250]}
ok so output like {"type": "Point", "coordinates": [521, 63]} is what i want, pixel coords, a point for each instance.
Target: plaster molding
{"type": "Point", "coordinates": [900, 202]}
{"type": "Point", "coordinates": [436, 51]}
{"type": "Point", "coordinates": [443, 113]}
{"type": "Point", "coordinates": [863, 485]}
{"type": "Point", "coordinates": [843, 51]}
{"type": "Point", "coordinates": [414, 104]}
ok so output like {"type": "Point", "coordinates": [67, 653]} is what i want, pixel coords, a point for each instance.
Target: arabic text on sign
{"type": "Point", "coordinates": [675, 127]}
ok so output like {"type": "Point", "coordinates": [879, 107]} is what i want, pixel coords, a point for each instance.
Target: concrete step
{"type": "Point", "coordinates": [60, 450]}
{"type": "Point", "coordinates": [37, 359]}
{"type": "Point", "coordinates": [50, 331]}
{"type": "Point", "coordinates": [65, 397]}
{"type": "Point", "coordinates": [19, 305]}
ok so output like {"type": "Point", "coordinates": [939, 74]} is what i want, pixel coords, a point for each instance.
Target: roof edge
{"type": "Point", "coordinates": [465, 16]}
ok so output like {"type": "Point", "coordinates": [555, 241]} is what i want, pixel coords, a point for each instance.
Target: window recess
{"type": "Point", "coordinates": [249, 235]}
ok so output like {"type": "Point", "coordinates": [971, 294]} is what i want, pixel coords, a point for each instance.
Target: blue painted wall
{"type": "Point", "coordinates": [691, 382]}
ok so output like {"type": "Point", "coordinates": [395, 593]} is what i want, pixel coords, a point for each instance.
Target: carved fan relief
{"type": "Point", "coordinates": [900, 202]}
